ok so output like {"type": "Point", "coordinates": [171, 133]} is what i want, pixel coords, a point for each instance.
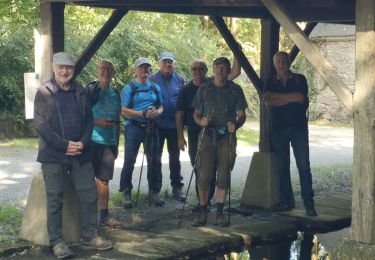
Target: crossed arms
{"type": "Point", "coordinates": [276, 99]}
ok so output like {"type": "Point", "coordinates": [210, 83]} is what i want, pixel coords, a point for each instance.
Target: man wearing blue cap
{"type": "Point", "coordinates": [170, 84]}
{"type": "Point", "coordinates": [63, 119]}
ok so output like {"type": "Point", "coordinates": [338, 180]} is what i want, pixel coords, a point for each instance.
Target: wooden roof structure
{"type": "Point", "coordinates": [273, 14]}
{"type": "Point", "coordinates": [299, 10]}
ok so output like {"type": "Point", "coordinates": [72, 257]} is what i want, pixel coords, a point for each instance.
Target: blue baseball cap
{"type": "Point", "coordinates": [167, 56]}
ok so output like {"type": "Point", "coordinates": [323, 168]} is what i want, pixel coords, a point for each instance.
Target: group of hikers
{"type": "Point", "coordinates": [79, 130]}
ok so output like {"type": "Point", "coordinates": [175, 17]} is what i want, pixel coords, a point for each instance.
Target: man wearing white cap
{"type": "Point", "coordinates": [170, 84]}
{"type": "Point", "coordinates": [63, 119]}
{"type": "Point", "coordinates": [141, 106]}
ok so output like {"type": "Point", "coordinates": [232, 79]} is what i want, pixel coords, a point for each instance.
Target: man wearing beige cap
{"type": "Point", "coordinates": [63, 119]}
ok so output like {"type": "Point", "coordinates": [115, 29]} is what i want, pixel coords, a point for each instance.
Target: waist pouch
{"type": "Point", "coordinates": [217, 133]}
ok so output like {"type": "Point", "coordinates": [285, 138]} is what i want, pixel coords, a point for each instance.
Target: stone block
{"type": "Point", "coordinates": [34, 222]}
{"type": "Point", "coordinates": [351, 250]}
{"type": "Point", "coordinates": [261, 188]}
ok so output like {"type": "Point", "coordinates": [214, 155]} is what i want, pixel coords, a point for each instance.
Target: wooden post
{"type": "Point", "coordinates": [99, 39]}
{"type": "Point", "coordinates": [269, 46]}
{"type": "Point", "coordinates": [261, 188]}
{"type": "Point", "coordinates": [233, 45]}
{"type": "Point", "coordinates": [312, 53]}
{"type": "Point", "coordinates": [363, 202]}
{"type": "Point", "coordinates": [52, 36]}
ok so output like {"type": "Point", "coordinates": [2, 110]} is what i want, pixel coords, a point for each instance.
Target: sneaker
{"type": "Point", "coordinates": [310, 208]}
{"type": "Point", "coordinates": [154, 199]}
{"type": "Point", "coordinates": [127, 199]}
{"type": "Point", "coordinates": [220, 220]}
{"type": "Point", "coordinates": [110, 222]}
{"type": "Point", "coordinates": [97, 243]}
{"type": "Point", "coordinates": [178, 195]}
{"type": "Point", "coordinates": [201, 219]}
{"type": "Point", "coordinates": [62, 251]}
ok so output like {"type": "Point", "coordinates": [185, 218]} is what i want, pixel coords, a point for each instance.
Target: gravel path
{"type": "Point", "coordinates": [328, 146]}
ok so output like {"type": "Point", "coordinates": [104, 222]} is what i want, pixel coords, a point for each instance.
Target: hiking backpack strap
{"type": "Point", "coordinates": [135, 91]}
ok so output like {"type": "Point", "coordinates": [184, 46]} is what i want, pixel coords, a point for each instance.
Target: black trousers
{"type": "Point", "coordinates": [170, 135]}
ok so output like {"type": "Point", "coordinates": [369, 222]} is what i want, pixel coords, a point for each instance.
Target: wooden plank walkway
{"type": "Point", "coordinates": [333, 214]}
{"type": "Point", "coordinates": [247, 229]}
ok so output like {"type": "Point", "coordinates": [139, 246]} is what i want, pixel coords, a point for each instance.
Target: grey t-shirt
{"type": "Point", "coordinates": [220, 103]}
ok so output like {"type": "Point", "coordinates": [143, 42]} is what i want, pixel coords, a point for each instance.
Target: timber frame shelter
{"type": "Point", "coordinates": [273, 14]}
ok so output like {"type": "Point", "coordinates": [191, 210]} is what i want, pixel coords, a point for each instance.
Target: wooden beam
{"type": "Point", "coordinates": [312, 53]}
{"type": "Point", "coordinates": [99, 39]}
{"type": "Point", "coordinates": [319, 11]}
{"type": "Point", "coordinates": [52, 36]}
{"type": "Point", "coordinates": [363, 202]}
{"type": "Point", "coordinates": [233, 45]}
{"type": "Point", "coordinates": [270, 36]}
{"type": "Point", "coordinates": [295, 50]}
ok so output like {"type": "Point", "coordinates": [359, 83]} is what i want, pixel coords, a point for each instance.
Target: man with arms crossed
{"type": "Point", "coordinates": [286, 96]}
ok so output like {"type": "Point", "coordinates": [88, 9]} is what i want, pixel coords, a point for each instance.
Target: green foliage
{"type": "Point", "coordinates": [138, 34]}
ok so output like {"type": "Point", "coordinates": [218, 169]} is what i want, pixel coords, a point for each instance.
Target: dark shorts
{"type": "Point", "coordinates": [103, 161]}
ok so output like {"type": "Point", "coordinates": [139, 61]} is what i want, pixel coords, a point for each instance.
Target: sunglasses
{"type": "Point", "coordinates": [198, 68]}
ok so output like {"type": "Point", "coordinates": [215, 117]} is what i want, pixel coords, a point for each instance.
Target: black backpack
{"type": "Point", "coordinates": [93, 93]}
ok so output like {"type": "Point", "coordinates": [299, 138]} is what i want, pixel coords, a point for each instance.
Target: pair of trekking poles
{"type": "Point", "coordinates": [150, 128]}
{"type": "Point", "coordinates": [195, 169]}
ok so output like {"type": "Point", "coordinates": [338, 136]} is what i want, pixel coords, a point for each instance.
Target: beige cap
{"type": "Point", "coordinates": [63, 58]}
{"type": "Point", "coordinates": [142, 60]}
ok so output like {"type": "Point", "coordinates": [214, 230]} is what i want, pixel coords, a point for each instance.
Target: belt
{"type": "Point", "coordinates": [139, 124]}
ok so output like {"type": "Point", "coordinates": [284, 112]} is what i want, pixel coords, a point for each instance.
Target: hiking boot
{"type": "Point", "coordinates": [220, 220]}
{"type": "Point", "coordinates": [110, 222]}
{"type": "Point", "coordinates": [62, 251]}
{"type": "Point", "coordinates": [127, 199]}
{"type": "Point", "coordinates": [201, 219]}
{"type": "Point", "coordinates": [178, 195]}
{"type": "Point", "coordinates": [283, 206]}
{"type": "Point", "coordinates": [197, 207]}
{"type": "Point", "coordinates": [310, 208]}
{"type": "Point", "coordinates": [97, 243]}
{"type": "Point", "coordinates": [154, 199]}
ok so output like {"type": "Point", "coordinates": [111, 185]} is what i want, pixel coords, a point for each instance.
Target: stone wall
{"type": "Point", "coordinates": [340, 52]}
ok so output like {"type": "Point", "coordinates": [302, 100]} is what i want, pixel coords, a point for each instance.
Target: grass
{"type": "Point", "coordinates": [335, 179]}
{"type": "Point", "coordinates": [333, 124]}
{"type": "Point", "coordinates": [10, 223]}
{"type": "Point", "coordinates": [20, 143]}
{"type": "Point", "coordinates": [249, 137]}
{"type": "Point", "coordinates": [116, 197]}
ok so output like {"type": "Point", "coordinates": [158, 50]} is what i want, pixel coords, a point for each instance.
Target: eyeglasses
{"type": "Point", "coordinates": [198, 68]}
